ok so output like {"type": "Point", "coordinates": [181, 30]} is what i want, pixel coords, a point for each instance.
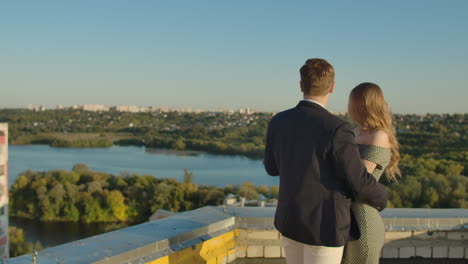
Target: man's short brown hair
{"type": "Point", "coordinates": [317, 76]}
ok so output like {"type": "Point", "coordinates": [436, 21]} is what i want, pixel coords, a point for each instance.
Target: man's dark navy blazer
{"type": "Point", "coordinates": [320, 170]}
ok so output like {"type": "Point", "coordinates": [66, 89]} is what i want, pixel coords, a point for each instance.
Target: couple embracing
{"type": "Point", "coordinates": [330, 198]}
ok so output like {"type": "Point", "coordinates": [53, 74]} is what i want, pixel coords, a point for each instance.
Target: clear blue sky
{"type": "Point", "coordinates": [209, 54]}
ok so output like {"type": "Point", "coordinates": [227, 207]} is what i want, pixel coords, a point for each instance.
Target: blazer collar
{"type": "Point", "coordinates": [303, 103]}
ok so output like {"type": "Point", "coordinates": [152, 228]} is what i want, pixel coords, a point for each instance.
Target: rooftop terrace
{"type": "Point", "coordinates": [246, 235]}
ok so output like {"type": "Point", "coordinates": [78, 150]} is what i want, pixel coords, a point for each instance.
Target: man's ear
{"type": "Point", "coordinates": [332, 88]}
{"type": "Point", "coordinates": [302, 86]}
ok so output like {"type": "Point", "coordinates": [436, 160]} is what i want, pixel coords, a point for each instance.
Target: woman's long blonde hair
{"type": "Point", "coordinates": [368, 108]}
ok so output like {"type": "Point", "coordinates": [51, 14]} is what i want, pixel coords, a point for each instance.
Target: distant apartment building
{"type": "Point", "coordinates": [3, 189]}
{"type": "Point", "coordinates": [94, 108]}
{"type": "Point", "coordinates": [247, 111]}
{"type": "Point", "coordinates": [124, 108]}
{"type": "Point", "coordinates": [36, 108]}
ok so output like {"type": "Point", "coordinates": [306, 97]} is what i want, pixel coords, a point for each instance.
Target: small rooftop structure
{"type": "Point", "coordinates": [262, 201]}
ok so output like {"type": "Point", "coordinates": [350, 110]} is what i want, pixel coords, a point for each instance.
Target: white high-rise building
{"type": "Point", "coordinates": [3, 189]}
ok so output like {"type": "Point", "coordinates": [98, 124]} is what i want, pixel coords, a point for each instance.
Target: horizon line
{"type": "Point", "coordinates": [186, 109]}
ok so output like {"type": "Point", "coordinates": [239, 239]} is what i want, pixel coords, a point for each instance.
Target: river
{"type": "Point", "coordinates": [218, 170]}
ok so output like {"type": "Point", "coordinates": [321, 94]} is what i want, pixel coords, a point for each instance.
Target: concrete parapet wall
{"type": "Point", "coordinates": [263, 244]}
{"type": "Point", "coordinates": [426, 244]}
{"type": "Point", "coordinates": [150, 242]}
{"type": "Point", "coordinates": [253, 243]}
{"type": "Point", "coordinates": [220, 235]}
{"type": "Point", "coordinates": [220, 249]}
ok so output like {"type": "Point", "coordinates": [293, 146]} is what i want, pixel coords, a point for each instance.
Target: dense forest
{"type": "Point", "coordinates": [89, 196]}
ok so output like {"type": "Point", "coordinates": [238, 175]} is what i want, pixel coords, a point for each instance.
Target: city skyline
{"type": "Point", "coordinates": [135, 108]}
{"type": "Point", "coordinates": [212, 54]}
{"type": "Point", "coordinates": [182, 109]}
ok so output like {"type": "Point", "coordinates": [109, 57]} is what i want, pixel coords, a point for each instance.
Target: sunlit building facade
{"type": "Point", "coordinates": [3, 189]}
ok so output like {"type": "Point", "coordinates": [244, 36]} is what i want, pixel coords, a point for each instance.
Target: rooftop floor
{"type": "Point", "coordinates": [382, 261]}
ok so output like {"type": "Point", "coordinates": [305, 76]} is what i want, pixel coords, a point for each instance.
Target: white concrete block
{"type": "Point", "coordinates": [390, 252]}
{"type": "Point", "coordinates": [255, 251]}
{"type": "Point", "coordinates": [241, 252]}
{"type": "Point", "coordinates": [263, 234]}
{"type": "Point", "coordinates": [283, 253]}
{"type": "Point", "coordinates": [439, 252]}
{"type": "Point", "coordinates": [272, 251]}
{"type": "Point", "coordinates": [231, 257]}
{"type": "Point", "coordinates": [456, 252]}
{"type": "Point", "coordinates": [407, 252]}
{"type": "Point", "coordinates": [424, 252]}
{"type": "Point", "coordinates": [457, 235]}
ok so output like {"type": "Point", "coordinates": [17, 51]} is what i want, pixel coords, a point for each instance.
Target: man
{"type": "Point", "coordinates": [320, 172]}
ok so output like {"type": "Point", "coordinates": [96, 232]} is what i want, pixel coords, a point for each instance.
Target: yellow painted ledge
{"type": "Point", "coordinates": [209, 252]}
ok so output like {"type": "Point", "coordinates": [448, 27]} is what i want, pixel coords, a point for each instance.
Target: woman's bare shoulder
{"type": "Point", "coordinates": [378, 138]}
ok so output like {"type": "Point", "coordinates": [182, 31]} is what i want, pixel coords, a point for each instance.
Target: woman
{"type": "Point", "coordinates": [378, 146]}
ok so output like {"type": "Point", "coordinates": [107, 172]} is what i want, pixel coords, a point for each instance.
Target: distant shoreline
{"type": "Point", "coordinates": [109, 139]}
{"type": "Point", "coordinates": [166, 151]}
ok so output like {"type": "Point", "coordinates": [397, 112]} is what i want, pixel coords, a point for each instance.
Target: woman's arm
{"type": "Point", "coordinates": [379, 139]}
{"type": "Point", "coordinates": [370, 166]}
